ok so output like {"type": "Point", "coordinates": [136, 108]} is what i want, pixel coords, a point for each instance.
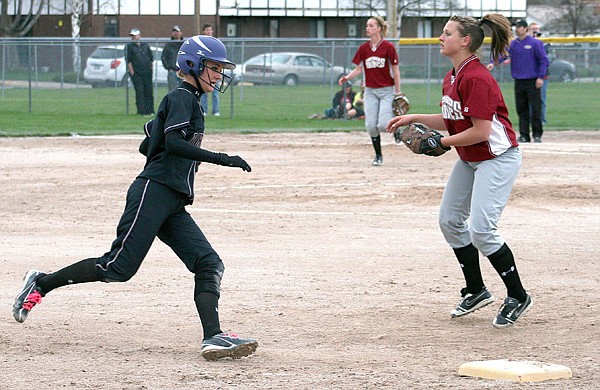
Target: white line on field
{"type": "Point", "coordinates": [558, 152]}
{"type": "Point", "coordinates": [258, 187]}
{"type": "Point", "coordinates": [547, 147]}
{"type": "Point", "coordinates": [290, 212]}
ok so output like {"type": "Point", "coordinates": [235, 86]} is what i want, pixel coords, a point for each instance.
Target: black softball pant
{"type": "Point", "coordinates": [154, 210]}
{"type": "Point", "coordinates": [144, 93]}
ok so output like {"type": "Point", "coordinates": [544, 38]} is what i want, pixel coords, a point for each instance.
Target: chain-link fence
{"type": "Point", "coordinates": [61, 64]}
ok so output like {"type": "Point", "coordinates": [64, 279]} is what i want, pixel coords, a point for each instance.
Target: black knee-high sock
{"type": "Point", "coordinates": [83, 271]}
{"type": "Point", "coordinates": [468, 258]}
{"type": "Point", "coordinates": [207, 305]}
{"type": "Point", "coordinates": [503, 262]}
{"type": "Point", "coordinates": [377, 145]}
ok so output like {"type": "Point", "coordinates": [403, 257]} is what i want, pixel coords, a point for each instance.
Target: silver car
{"type": "Point", "coordinates": [287, 68]}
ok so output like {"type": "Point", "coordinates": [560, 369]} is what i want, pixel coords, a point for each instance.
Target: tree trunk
{"type": "Point", "coordinates": [75, 32]}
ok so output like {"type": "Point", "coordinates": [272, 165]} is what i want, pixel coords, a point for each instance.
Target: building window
{"type": "Point", "coordinates": [424, 28]}
{"type": "Point", "coordinates": [317, 28]}
{"type": "Point", "coordinates": [231, 30]}
{"type": "Point", "coordinates": [352, 30]}
{"type": "Point", "coordinates": [274, 28]}
{"type": "Point", "coordinates": [321, 31]}
{"type": "Point", "coordinates": [111, 26]}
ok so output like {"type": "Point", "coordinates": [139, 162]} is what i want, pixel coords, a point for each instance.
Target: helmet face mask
{"type": "Point", "coordinates": [220, 85]}
{"type": "Point", "coordinates": [194, 54]}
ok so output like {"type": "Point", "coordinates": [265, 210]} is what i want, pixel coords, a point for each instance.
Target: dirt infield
{"type": "Point", "coordinates": [338, 268]}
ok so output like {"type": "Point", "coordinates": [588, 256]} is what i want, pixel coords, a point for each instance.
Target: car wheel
{"type": "Point", "coordinates": [290, 80]}
{"type": "Point", "coordinates": [126, 82]}
{"type": "Point", "coordinates": [566, 76]}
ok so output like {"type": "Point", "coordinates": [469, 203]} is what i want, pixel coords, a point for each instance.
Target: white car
{"type": "Point", "coordinates": [106, 67]}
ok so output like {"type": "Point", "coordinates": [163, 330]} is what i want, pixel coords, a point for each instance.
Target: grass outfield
{"type": "Point", "coordinates": [571, 106]}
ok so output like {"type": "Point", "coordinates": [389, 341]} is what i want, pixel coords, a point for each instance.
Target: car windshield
{"type": "Point", "coordinates": [108, 52]}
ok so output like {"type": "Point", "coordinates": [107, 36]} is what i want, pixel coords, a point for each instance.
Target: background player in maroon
{"type": "Point", "coordinates": [476, 117]}
{"type": "Point", "coordinates": [378, 60]}
{"type": "Point", "coordinates": [156, 201]}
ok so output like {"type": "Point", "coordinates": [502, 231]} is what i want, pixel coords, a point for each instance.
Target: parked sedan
{"type": "Point", "coordinates": [287, 68]}
{"type": "Point", "coordinates": [106, 66]}
{"type": "Point", "coordinates": [561, 70]}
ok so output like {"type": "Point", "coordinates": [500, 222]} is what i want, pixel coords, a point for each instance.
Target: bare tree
{"type": "Point", "coordinates": [20, 23]}
{"type": "Point", "coordinates": [77, 10]}
{"type": "Point", "coordinates": [577, 18]}
{"type": "Point", "coordinates": [397, 9]}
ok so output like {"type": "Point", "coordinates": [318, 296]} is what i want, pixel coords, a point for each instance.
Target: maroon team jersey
{"type": "Point", "coordinates": [377, 64]}
{"type": "Point", "coordinates": [472, 92]}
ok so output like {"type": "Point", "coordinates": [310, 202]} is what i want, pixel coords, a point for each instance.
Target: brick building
{"type": "Point", "coordinates": [253, 18]}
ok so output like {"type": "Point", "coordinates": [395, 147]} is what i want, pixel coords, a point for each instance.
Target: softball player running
{"type": "Point", "coordinates": [476, 117]}
{"type": "Point", "coordinates": [379, 61]}
{"type": "Point", "coordinates": [156, 200]}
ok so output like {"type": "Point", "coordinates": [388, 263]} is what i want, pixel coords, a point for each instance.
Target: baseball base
{"type": "Point", "coordinates": [516, 371]}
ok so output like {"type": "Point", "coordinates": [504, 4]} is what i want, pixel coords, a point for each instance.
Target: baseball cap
{"type": "Point", "coordinates": [135, 31]}
{"type": "Point", "coordinates": [347, 84]}
{"type": "Point", "coordinates": [176, 28]}
{"type": "Point", "coordinates": [520, 23]}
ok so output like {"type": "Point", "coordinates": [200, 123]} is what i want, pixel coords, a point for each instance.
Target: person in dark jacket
{"type": "Point", "coordinates": [341, 105]}
{"type": "Point", "coordinates": [529, 67]}
{"type": "Point", "coordinates": [169, 57]}
{"type": "Point", "coordinates": [139, 60]}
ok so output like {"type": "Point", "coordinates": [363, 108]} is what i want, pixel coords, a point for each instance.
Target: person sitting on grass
{"type": "Point", "coordinates": [341, 105]}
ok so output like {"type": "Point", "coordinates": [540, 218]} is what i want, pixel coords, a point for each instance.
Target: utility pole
{"type": "Point", "coordinates": [197, 12]}
{"type": "Point", "coordinates": [392, 17]}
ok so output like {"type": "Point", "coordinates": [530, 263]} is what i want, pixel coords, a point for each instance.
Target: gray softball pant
{"type": "Point", "coordinates": [378, 109]}
{"type": "Point", "coordinates": [474, 198]}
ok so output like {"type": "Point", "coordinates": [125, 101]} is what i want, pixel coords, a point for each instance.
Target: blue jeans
{"type": "Point", "coordinates": [173, 80]}
{"type": "Point", "coordinates": [215, 102]}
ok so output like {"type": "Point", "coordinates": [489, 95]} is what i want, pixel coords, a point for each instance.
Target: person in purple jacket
{"type": "Point", "coordinates": [528, 66]}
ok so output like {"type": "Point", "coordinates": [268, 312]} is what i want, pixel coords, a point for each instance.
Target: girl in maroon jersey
{"type": "Point", "coordinates": [378, 60]}
{"type": "Point", "coordinates": [476, 118]}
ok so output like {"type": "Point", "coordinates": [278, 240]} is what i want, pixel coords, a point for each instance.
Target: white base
{"type": "Point", "coordinates": [516, 371]}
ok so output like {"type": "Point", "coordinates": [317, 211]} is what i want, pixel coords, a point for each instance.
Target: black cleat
{"type": "Point", "coordinates": [227, 345]}
{"type": "Point", "coordinates": [510, 311]}
{"type": "Point", "coordinates": [29, 296]}
{"type": "Point", "coordinates": [472, 302]}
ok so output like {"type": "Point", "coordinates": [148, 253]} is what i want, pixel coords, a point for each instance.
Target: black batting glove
{"type": "Point", "coordinates": [234, 161]}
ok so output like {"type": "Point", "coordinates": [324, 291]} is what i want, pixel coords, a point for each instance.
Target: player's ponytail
{"type": "Point", "coordinates": [382, 24]}
{"type": "Point", "coordinates": [501, 34]}
{"type": "Point", "coordinates": [499, 25]}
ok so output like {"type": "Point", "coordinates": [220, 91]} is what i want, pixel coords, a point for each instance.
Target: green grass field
{"type": "Point", "coordinates": [259, 109]}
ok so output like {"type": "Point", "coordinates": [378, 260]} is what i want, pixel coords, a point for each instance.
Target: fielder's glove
{"type": "Point", "coordinates": [400, 105]}
{"type": "Point", "coordinates": [423, 140]}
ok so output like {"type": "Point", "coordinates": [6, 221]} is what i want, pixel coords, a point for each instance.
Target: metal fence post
{"type": "Point", "coordinates": [62, 65]}
{"type": "Point", "coordinates": [29, 65]}
{"type": "Point", "coordinates": [3, 65]}
{"type": "Point", "coordinates": [428, 48]}
{"type": "Point", "coordinates": [231, 100]}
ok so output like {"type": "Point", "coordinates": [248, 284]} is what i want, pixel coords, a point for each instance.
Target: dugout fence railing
{"type": "Point", "coordinates": [59, 63]}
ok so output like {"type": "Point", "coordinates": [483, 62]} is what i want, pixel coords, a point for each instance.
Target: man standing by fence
{"type": "Point", "coordinates": [169, 57]}
{"type": "Point", "coordinates": [529, 66]}
{"type": "Point", "coordinates": [207, 29]}
{"type": "Point", "coordinates": [139, 59]}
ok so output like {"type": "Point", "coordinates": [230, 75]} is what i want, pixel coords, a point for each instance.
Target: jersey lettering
{"type": "Point", "coordinates": [451, 109]}
{"type": "Point", "coordinates": [375, 62]}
